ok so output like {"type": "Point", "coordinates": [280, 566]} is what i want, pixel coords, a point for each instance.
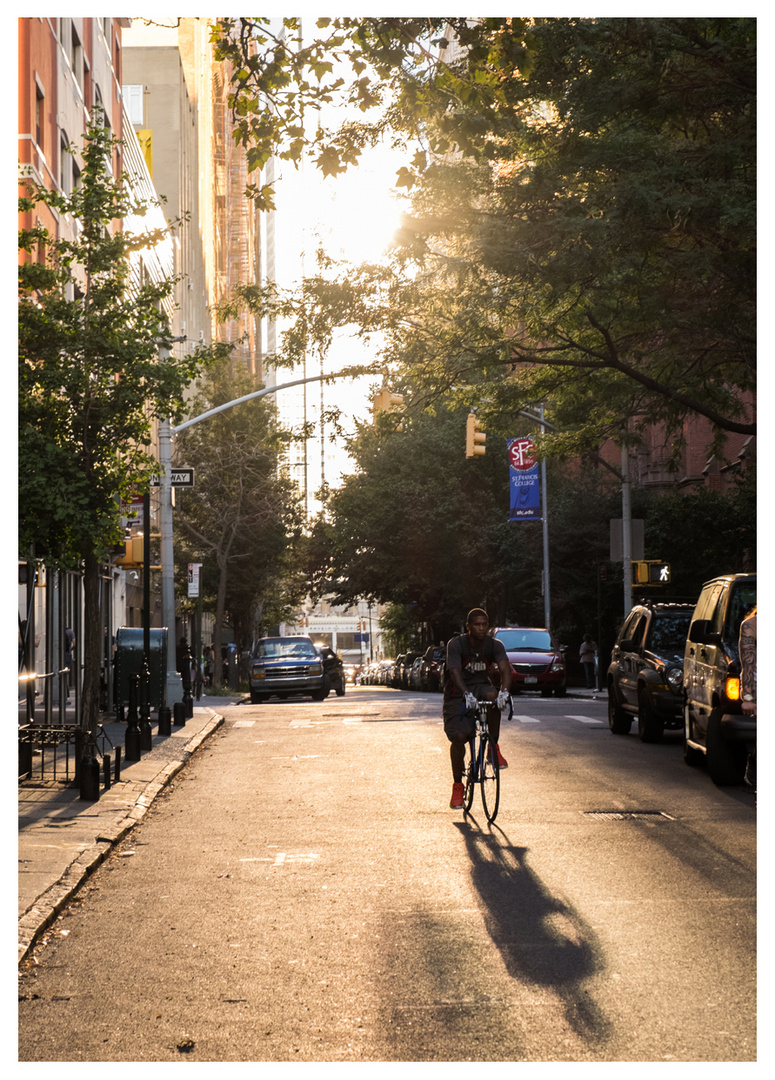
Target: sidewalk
{"type": "Point", "coordinates": [62, 837]}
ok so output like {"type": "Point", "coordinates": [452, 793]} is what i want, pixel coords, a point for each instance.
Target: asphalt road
{"type": "Point", "coordinates": [304, 893]}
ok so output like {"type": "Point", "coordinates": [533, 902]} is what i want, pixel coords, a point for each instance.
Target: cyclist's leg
{"type": "Point", "coordinates": [458, 727]}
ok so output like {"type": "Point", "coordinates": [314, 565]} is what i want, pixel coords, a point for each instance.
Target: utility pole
{"type": "Point", "coordinates": [174, 683]}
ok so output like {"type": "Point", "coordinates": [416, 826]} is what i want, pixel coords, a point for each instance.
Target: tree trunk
{"type": "Point", "coordinates": [92, 645]}
{"type": "Point", "coordinates": [220, 607]}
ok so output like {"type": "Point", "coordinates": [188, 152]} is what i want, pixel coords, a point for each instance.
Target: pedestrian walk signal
{"type": "Point", "coordinates": [475, 437]}
{"type": "Point", "coordinates": [650, 572]}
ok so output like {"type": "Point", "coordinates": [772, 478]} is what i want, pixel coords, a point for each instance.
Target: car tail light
{"type": "Point", "coordinates": [732, 688]}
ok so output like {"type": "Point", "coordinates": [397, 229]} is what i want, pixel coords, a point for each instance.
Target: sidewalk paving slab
{"type": "Point", "coordinates": [63, 838]}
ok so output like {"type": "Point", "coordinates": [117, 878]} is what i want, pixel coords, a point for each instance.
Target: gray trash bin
{"type": "Point", "coordinates": [129, 661]}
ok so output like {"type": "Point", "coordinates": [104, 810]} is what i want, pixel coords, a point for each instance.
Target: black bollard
{"type": "Point", "coordinates": [106, 770]}
{"type": "Point", "coordinates": [188, 701]}
{"type": "Point", "coordinates": [117, 772]}
{"type": "Point", "coordinates": [179, 714]}
{"type": "Point", "coordinates": [90, 776]}
{"type": "Point", "coordinates": [132, 737]}
{"type": "Point", "coordinates": [165, 720]}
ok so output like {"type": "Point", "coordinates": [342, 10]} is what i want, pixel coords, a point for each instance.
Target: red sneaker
{"type": "Point", "coordinates": [456, 802]}
{"type": "Point", "coordinates": [502, 763]}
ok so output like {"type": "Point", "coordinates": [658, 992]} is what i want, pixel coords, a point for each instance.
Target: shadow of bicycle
{"type": "Point", "coordinates": [542, 939]}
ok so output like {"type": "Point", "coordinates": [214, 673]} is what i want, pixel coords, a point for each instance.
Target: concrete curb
{"type": "Point", "coordinates": [36, 920]}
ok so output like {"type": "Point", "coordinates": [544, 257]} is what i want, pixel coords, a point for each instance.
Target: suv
{"type": "Point", "coordinates": [645, 676]}
{"type": "Point", "coordinates": [286, 665]}
{"type": "Point", "coordinates": [537, 662]}
{"type": "Point", "coordinates": [714, 726]}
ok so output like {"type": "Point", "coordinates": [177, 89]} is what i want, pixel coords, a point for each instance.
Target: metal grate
{"type": "Point", "coordinates": [627, 815]}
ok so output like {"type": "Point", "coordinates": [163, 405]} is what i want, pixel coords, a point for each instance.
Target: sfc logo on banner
{"type": "Point", "coordinates": [523, 480]}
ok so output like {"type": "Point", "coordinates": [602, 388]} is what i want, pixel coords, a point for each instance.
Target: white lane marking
{"type": "Point", "coordinates": [526, 719]}
{"type": "Point", "coordinates": [243, 723]}
{"type": "Point", "coordinates": [584, 719]}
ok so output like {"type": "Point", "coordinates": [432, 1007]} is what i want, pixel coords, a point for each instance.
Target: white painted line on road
{"type": "Point", "coordinates": [584, 719]}
{"type": "Point", "coordinates": [243, 723]}
{"type": "Point", "coordinates": [283, 857]}
{"type": "Point", "coordinates": [526, 719]}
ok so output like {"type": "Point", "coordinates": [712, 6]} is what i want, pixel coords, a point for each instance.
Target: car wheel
{"type": "Point", "coordinates": [560, 691]}
{"type": "Point", "coordinates": [340, 688]}
{"type": "Point", "coordinates": [319, 695]}
{"type": "Point", "coordinates": [726, 760]}
{"type": "Point", "coordinates": [546, 692]}
{"type": "Point", "coordinates": [651, 727]}
{"type": "Point", "coordinates": [255, 698]}
{"type": "Point", "coordinates": [618, 720]}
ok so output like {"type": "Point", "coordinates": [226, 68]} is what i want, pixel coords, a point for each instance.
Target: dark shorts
{"type": "Point", "coordinates": [457, 721]}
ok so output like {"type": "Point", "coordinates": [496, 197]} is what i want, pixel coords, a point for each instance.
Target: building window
{"type": "Point", "coordinates": [65, 163]}
{"type": "Point", "coordinates": [39, 99]}
{"type": "Point", "coordinates": [133, 98]}
{"type": "Point", "coordinates": [76, 54]}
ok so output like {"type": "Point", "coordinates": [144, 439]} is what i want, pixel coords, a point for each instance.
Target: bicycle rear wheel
{"type": "Point", "coordinates": [490, 779]}
{"type": "Point", "coordinates": [469, 776]}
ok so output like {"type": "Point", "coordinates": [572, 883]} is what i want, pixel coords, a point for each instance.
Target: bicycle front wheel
{"type": "Point", "coordinates": [469, 776]}
{"type": "Point", "coordinates": [490, 779]}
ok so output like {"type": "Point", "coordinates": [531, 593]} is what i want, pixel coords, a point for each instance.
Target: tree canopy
{"type": "Point", "coordinates": [582, 228]}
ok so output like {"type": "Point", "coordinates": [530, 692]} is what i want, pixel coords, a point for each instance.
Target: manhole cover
{"type": "Point", "coordinates": [627, 815]}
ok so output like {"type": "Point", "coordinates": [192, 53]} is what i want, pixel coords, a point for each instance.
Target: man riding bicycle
{"type": "Point", "coordinates": [471, 658]}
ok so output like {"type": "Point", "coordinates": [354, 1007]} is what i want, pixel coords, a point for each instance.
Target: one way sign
{"type": "Point", "coordinates": [178, 478]}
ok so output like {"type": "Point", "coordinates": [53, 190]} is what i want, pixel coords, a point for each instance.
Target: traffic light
{"type": "Point", "coordinates": [475, 437]}
{"type": "Point", "coordinates": [650, 572]}
{"type": "Point", "coordinates": [384, 400]}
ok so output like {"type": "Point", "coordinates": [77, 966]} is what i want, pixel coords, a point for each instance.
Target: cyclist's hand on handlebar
{"type": "Point", "coordinates": [471, 703]}
{"type": "Point", "coordinates": [503, 699]}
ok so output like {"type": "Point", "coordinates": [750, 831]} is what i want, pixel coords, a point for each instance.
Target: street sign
{"type": "Point", "coordinates": [193, 579]}
{"type": "Point", "coordinates": [178, 478]}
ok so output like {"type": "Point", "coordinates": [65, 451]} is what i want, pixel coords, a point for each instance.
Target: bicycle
{"type": "Point", "coordinates": [481, 766]}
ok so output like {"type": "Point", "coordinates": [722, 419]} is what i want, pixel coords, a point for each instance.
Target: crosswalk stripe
{"type": "Point", "coordinates": [567, 716]}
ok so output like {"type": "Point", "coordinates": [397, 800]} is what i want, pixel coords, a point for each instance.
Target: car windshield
{"type": "Point", "coordinates": [285, 647]}
{"type": "Point", "coordinates": [525, 640]}
{"type": "Point", "coordinates": [668, 634]}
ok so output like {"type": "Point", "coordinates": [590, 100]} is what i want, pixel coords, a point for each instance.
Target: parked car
{"type": "Point", "coordinates": [645, 676]}
{"type": "Point", "coordinates": [404, 670]}
{"type": "Point", "coordinates": [432, 668]}
{"type": "Point", "coordinates": [715, 728]}
{"type": "Point", "coordinates": [286, 665]}
{"type": "Point", "coordinates": [333, 670]}
{"type": "Point", "coordinates": [415, 674]}
{"type": "Point", "coordinates": [537, 661]}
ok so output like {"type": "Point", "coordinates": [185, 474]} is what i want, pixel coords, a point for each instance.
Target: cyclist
{"type": "Point", "coordinates": [471, 657]}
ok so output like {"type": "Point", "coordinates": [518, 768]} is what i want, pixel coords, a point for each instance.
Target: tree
{"type": "Point", "coordinates": [91, 380]}
{"type": "Point", "coordinates": [583, 227]}
{"type": "Point", "coordinates": [242, 517]}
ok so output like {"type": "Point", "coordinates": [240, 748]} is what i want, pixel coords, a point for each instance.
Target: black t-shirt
{"type": "Point", "coordinates": [473, 664]}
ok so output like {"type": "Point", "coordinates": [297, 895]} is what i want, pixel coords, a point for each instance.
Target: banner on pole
{"type": "Point", "coordinates": [524, 486]}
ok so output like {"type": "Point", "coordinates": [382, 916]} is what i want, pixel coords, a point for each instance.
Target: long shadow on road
{"type": "Point", "coordinates": [541, 938]}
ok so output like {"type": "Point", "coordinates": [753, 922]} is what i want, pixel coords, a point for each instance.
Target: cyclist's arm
{"type": "Point", "coordinates": [505, 669]}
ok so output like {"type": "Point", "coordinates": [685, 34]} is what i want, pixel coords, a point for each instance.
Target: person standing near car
{"type": "Point", "coordinates": [747, 646]}
{"type": "Point", "coordinates": [467, 681]}
{"type": "Point", "coordinates": [587, 654]}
